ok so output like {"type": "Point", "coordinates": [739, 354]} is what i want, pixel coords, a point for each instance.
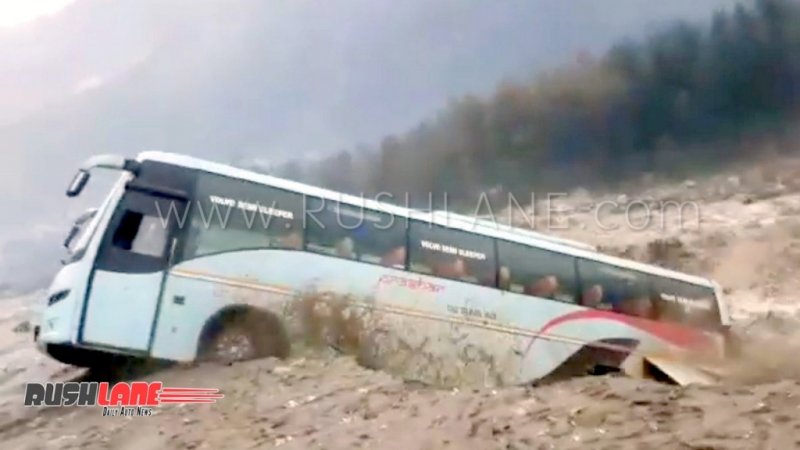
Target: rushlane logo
{"type": "Point", "coordinates": [120, 399]}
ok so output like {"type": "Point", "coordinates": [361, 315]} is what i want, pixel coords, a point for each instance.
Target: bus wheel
{"type": "Point", "coordinates": [233, 344]}
{"type": "Point", "coordinates": [243, 335]}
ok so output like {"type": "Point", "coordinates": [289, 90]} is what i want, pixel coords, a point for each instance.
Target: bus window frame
{"type": "Point", "coordinates": [715, 310]}
{"type": "Point", "coordinates": [432, 225]}
{"type": "Point", "coordinates": [113, 258]}
{"type": "Point", "coordinates": [648, 277]}
{"type": "Point", "coordinates": [358, 255]}
{"type": "Point", "coordinates": [187, 228]}
{"type": "Point", "coordinates": [575, 291]}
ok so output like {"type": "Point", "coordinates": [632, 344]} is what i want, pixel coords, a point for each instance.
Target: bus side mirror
{"type": "Point", "coordinates": [78, 183]}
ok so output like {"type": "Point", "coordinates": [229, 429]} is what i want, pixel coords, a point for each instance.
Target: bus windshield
{"type": "Point", "coordinates": [84, 226]}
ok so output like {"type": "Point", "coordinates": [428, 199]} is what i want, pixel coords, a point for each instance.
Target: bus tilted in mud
{"type": "Point", "coordinates": [187, 259]}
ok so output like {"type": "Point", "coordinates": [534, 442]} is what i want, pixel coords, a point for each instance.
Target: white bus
{"type": "Point", "coordinates": [188, 258]}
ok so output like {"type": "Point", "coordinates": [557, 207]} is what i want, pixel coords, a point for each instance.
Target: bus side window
{"type": "Point", "coordinates": [351, 232]}
{"type": "Point", "coordinates": [611, 288]}
{"type": "Point", "coordinates": [452, 254]}
{"type": "Point", "coordinates": [536, 272]}
{"type": "Point", "coordinates": [327, 232]}
{"type": "Point", "coordinates": [681, 302]}
{"type": "Point", "coordinates": [232, 215]}
{"type": "Point", "coordinates": [381, 239]}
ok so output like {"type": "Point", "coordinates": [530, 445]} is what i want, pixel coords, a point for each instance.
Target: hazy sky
{"type": "Point", "coordinates": [229, 79]}
{"type": "Point", "coordinates": [55, 49]}
{"type": "Point", "coordinates": [15, 13]}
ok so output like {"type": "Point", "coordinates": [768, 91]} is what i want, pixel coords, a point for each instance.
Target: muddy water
{"type": "Point", "coordinates": [323, 398]}
{"type": "Point", "coordinates": [428, 352]}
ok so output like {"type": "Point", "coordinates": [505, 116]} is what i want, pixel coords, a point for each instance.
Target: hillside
{"type": "Point", "coordinates": [689, 99]}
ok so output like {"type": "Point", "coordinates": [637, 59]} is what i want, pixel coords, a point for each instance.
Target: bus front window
{"type": "Point", "coordinates": [83, 228]}
{"type": "Point", "coordinates": [141, 233]}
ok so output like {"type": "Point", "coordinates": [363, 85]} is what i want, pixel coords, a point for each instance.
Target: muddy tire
{"type": "Point", "coordinates": [243, 336]}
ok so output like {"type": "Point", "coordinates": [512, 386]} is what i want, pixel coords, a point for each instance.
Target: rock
{"type": "Point", "coordinates": [23, 327]}
{"type": "Point", "coordinates": [689, 184]}
{"type": "Point", "coordinates": [747, 200]}
{"type": "Point", "coordinates": [753, 224]}
{"type": "Point", "coordinates": [590, 417]}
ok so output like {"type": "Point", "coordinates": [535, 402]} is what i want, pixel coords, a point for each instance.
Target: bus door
{"type": "Point", "coordinates": [125, 286]}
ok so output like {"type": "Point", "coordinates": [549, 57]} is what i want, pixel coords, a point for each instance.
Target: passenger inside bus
{"type": "Point", "coordinates": [593, 296]}
{"type": "Point", "coordinates": [504, 278]}
{"type": "Point", "coordinates": [345, 248]}
{"type": "Point", "coordinates": [546, 287]}
{"type": "Point", "coordinates": [636, 305]}
{"type": "Point", "coordinates": [640, 306]}
{"type": "Point", "coordinates": [395, 257]}
{"type": "Point", "coordinates": [293, 240]}
{"type": "Point", "coordinates": [450, 268]}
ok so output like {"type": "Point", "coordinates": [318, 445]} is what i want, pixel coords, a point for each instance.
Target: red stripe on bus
{"type": "Point", "coordinates": [675, 334]}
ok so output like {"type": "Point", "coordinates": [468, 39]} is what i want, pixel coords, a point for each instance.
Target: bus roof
{"type": "Point", "coordinates": [464, 223]}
